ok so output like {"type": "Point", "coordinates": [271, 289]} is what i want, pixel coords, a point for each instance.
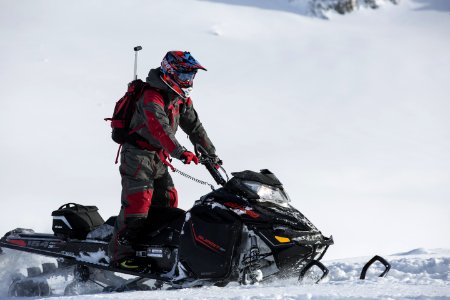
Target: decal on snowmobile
{"type": "Point", "coordinates": [40, 244]}
{"type": "Point", "coordinates": [62, 219]}
{"type": "Point", "coordinates": [209, 244]}
{"type": "Point", "coordinates": [308, 238]}
{"type": "Point", "coordinates": [20, 243]}
{"type": "Point", "coordinates": [248, 212]}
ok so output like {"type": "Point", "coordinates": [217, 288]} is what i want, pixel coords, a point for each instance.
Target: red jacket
{"type": "Point", "coordinates": [158, 114]}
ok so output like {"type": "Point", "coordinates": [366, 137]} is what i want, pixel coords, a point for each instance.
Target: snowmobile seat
{"type": "Point", "coordinates": [111, 221]}
{"type": "Point", "coordinates": [161, 216]}
{"type": "Point", "coordinates": [158, 219]}
{"type": "Point", "coordinates": [103, 232]}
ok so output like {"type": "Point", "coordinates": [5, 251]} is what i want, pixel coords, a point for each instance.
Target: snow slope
{"type": "Point", "coordinates": [352, 114]}
{"type": "Point", "coordinates": [418, 274]}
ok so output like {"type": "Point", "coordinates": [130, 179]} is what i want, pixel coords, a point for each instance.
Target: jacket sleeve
{"type": "Point", "coordinates": [191, 125]}
{"type": "Point", "coordinates": [157, 123]}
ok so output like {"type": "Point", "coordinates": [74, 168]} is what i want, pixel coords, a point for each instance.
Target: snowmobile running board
{"type": "Point", "coordinates": [70, 260]}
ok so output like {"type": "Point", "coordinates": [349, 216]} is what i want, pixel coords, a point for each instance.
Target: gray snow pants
{"type": "Point", "coordinates": [146, 182]}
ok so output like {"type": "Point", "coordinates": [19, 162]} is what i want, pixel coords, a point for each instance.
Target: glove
{"type": "Point", "coordinates": [216, 160]}
{"type": "Point", "coordinates": [188, 156]}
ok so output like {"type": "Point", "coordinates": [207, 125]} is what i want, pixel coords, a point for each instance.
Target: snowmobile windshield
{"type": "Point", "coordinates": [269, 193]}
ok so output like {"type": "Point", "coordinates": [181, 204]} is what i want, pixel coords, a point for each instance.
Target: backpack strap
{"type": "Point", "coordinates": [133, 137]}
{"type": "Point", "coordinates": [118, 152]}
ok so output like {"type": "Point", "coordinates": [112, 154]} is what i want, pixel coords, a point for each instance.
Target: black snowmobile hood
{"type": "Point", "coordinates": [236, 186]}
{"type": "Point", "coordinates": [264, 177]}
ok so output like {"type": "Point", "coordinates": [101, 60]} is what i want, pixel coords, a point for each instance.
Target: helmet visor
{"type": "Point", "coordinates": [186, 79]}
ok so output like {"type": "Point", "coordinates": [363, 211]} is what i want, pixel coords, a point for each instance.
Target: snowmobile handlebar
{"type": "Point", "coordinates": [208, 162]}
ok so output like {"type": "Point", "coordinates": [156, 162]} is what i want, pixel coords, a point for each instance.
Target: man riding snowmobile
{"type": "Point", "coordinates": [146, 181]}
{"type": "Point", "coordinates": [245, 231]}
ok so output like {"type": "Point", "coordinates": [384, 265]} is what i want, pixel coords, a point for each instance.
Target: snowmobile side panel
{"type": "Point", "coordinates": [209, 241]}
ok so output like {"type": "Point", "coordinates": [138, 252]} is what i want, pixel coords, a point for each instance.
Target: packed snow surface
{"type": "Point", "coordinates": [417, 274]}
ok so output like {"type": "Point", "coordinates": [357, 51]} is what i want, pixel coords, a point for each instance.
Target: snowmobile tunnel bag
{"type": "Point", "coordinates": [75, 221]}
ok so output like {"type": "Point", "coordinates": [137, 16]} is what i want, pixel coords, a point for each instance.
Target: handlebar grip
{"type": "Point", "coordinates": [210, 166]}
{"type": "Point", "coordinates": [214, 173]}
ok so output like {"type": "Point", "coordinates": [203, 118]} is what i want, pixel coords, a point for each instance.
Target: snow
{"type": "Point", "coordinates": [103, 232]}
{"type": "Point", "coordinates": [95, 258]}
{"type": "Point", "coordinates": [413, 276]}
{"type": "Point", "coordinates": [352, 114]}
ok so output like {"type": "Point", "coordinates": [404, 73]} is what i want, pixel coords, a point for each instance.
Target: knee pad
{"type": "Point", "coordinates": [173, 197]}
{"type": "Point", "coordinates": [139, 203]}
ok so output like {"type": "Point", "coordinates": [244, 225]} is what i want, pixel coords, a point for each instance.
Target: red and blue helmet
{"type": "Point", "coordinates": [178, 71]}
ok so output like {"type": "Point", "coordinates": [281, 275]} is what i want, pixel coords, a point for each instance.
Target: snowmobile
{"type": "Point", "coordinates": [246, 231]}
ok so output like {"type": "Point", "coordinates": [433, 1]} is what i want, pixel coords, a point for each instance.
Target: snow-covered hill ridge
{"type": "Point", "coordinates": [417, 274]}
{"type": "Point", "coordinates": [318, 8]}
{"type": "Point", "coordinates": [321, 7]}
{"type": "Point", "coordinates": [419, 265]}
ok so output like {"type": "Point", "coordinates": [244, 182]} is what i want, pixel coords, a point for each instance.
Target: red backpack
{"type": "Point", "coordinates": [124, 110]}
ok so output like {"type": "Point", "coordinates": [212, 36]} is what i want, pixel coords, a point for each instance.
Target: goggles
{"type": "Point", "coordinates": [186, 79]}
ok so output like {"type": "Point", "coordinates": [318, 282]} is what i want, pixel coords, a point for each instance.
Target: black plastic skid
{"type": "Point", "coordinates": [311, 264]}
{"type": "Point", "coordinates": [387, 266]}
